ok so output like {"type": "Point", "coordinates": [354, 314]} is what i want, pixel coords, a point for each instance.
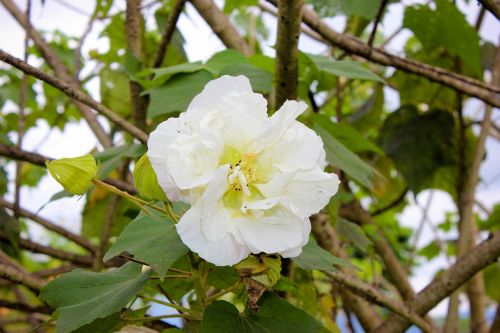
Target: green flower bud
{"type": "Point", "coordinates": [146, 182]}
{"type": "Point", "coordinates": [74, 174]}
{"type": "Point", "coordinates": [264, 269]}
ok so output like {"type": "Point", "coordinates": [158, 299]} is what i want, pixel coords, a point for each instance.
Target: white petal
{"type": "Point", "coordinates": [214, 216]}
{"type": "Point", "coordinates": [296, 251]}
{"type": "Point", "coordinates": [259, 205]}
{"type": "Point", "coordinates": [210, 97]}
{"type": "Point", "coordinates": [159, 142]}
{"type": "Point", "coordinates": [192, 161]}
{"type": "Point", "coordinates": [279, 123]}
{"type": "Point", "coordinates": [299, 148]}
{"type": "Point", "coordinates": [204, 227]}
{"type": "Point", "coordinates": [277, 232]}
{"type": "Point", "coordinates": [223, 252]}
{"type": "Point", "coordinates": [305, 193]}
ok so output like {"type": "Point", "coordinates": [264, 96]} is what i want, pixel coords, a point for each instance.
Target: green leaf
{"type": "Point", "coordinates": [314, 257]}
{"type": "Point", "coordinates": [110, 324]}
{"type": "Point", "coordinates": [152, 240]}
{"type": "Point", "coordinates": [221, 59]}
{"type": "Point", "coordinates": [222, 277]}
{"type": "Point", "coordinates": [445, 27]}
{"type": "Point", "coordinates": [353, 233]}
{"type": "Point", "coordinates": [346, 68]}
{"type": "Point", "coordinates": [110, 158]}
{"type": "Point", "coordinates": [338, 155]}
{"type": "Point", "coordinates": [9, 227]}
{"type": "Point", "coordinates": [261, 80]}
{"type": "Point", "coordinates": [176, 94]}
{"type": "Point", "coordinates": [347, 135]}
{"type": "Point", "coordinates": [492, 223]}
{"type": "Point", "coordinates": [365, 8]}
{"type": "Point", "coordinates": [408, 136]}
{"type": "Point", "coordinates": [189, 67]}
{"type": "Point", "coordinates": [80, 297]}
{"type": "Point", "coordinates": [275, 315]}
{"type": "Point", "coordinates": [430, 251]}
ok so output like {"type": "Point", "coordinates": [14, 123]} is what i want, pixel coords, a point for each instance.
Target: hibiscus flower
{"type": "Point", "coordinates": [252, 180]}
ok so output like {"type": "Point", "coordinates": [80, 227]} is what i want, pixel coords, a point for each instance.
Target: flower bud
{"type": "Point", "coordinates": [74, 174]}
{"type": "Point", "coordinates": [146, 182]}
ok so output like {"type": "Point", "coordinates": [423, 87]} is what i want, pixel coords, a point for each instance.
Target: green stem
{"type": "Point", "coordinates": [180, 315]}
{"type": "Point", "coordinates": [171, 305]}
{"type": "Point", "coordinates": [141, 203]}
{"type": "Point", "coordinates": [223, 292]}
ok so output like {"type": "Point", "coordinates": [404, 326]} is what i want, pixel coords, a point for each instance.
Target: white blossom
{"type": "Point", "coordinates": [252, 181]}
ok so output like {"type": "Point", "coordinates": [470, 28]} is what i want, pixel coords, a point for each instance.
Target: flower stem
{"type": "Point", "coordinates": [171, 305]}
{"type": "Point", "coordinates": [180, 315]}
{"type": "Point", "coordinates": [141, 203]}
{"type": "Point", "coordinates": [223, 292]}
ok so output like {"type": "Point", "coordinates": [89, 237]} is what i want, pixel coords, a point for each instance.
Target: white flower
{"type": "Point", "coordinates": [252, 180]}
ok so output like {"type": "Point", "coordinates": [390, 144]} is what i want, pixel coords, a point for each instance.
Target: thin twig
{"type": "Point", "coordinates": [467, 85]}
{"type": "Point", "coordinates": [376, 21]}
{"type": "Point", "coordinates": [75, 93]}
{"type": "Point", "coordinates": [168, 33]}
{"type": "Point", "coordinates": [374, 296]}
{"type": "Point", "coordinates": [221, 25]}
{"type": "Point", "coordinates": [83, 242]}
{"type": "Point", "coordinates": [447, 282]}
{"type": "Point", "coordinates": [37, 159]}
{"type": "Point", "coordinates": [61, 71]}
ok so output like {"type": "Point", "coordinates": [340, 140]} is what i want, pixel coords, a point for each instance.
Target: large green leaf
{"type": "Point", "coordinates": [261, 80]}
{"type": "Point", "coordinates": [176, 94]}
{"type": "Point", "coordinates": [80, 297]}
{"type": "Point", "coordinates": [346, 68]}
{"type": "Point", "coordinates": [365, 8]}
{"type": "Point", "coordinates": [353, 233]}
{"type": "Point", "coordinates": [421, 145]}
{"type": "Point", "coordinates": [445, 27]}
{"type": "Point", "coordinates": [152, 240]}
{"type": "Point", "coordinates": [338, 155]}
{"type": "Point", "coordinates": [275, 315]}
{"type": "Point", "coordinates": [224, 58]}
{"type": "Point", "coordinates": [347, 135]}
{"type": "Point", "coordinates": [314, 257]}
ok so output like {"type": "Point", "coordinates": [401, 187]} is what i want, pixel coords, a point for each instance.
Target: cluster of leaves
{"type": "Point", "coordinates": [383, 153]}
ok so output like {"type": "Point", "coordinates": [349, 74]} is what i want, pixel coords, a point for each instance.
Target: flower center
{"type": "Point", "coordinates": [240, 176]}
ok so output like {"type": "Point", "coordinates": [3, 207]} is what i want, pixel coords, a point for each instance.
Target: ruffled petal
{"type": "Point", "coordinates": [270, 233]}
{"type": "Point", "coordinates": [215, 90]}
{"type": "Point", "coordinates": [204, 227]}
{"type": "Point", "coordinates": [303, 192]}
{"type": "Point", "coordinates": [299, 148]}
{"type": "Point", "coordinates": [160, 140]}
{"type": "Point", "coordinates": [296, 251]}
{"type": "Point", "coordinates": [192, 161]}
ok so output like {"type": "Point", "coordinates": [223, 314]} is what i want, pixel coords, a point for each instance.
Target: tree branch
{"type": "Point", "coordinates": [374, 296]}
{"type": "Point", "coordinates": [75, 93]}
{"type": "Point", "coordinates": [287, 41]}
{"type": "Point", "coordinates": [168, 33]}
{"type": "Point", "coordinates": [22, 277]}
{"type": "Point", "coordinates": [133, 31]}
{"type": "Point", "coordinates": [25, 307]}
{"type": "Point", "coordinates": [378, 17]}
{"type": "Point", "coordinates": [328, 240]}
{"type": "Point", "coordinates": [447, 282]}
{"type": "Point", "coordinates": [37, 159]}
{"type": "Point", "coordinates": [83, 242]}
{"type": "Point", "coordinates": [354, 212]}
{"type": "Point", "coordinates": [60, 70]}
{"type": "Point", "coordinates": [467, 85]}
{"type": "Point", "coordinates": [221, 25]}
{"type": "Point", "coordinates": [493, 6]}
